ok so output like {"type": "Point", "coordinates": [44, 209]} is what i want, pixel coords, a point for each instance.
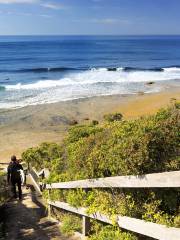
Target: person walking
{"type": "Point", "coordinates": [14, 176]}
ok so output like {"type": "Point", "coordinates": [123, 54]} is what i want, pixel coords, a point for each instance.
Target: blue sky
{"type": "Point", "coordinates": [106, 17]}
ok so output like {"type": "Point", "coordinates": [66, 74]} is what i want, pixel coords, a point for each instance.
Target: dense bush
{"type": "Point", "coordinates": [70, 224]}
{"type": "Point", "coordinates": [145, 145]}
{"type": "Point", "coordinates": [139, 146]}
{"type": "Point", "coordinates": [101, 232]}
{"type": "Point", "coordinates": [2, 175]}
{"type": "Point", "coordinates": [82, 131]}
{"type": "Point", "coordinates": [111, 117]}
{"type": "Point", "coordinates": [46, 155]}
{"type": "Point", "coordinates": [3, 193]}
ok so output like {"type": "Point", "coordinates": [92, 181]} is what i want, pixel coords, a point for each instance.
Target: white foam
{"type": "Point", "coordinates": [120, 69]}
{"type": "Point", "coordinates": [172, 69]}
{"type": "Point", "coordinates": [98, 69]}
{"type": "Point", "coordinates": [94, 82]}
{"type": "Point", "coordinates": [101, 75]}
{"type": "Point", "coordinates": [40, 84]}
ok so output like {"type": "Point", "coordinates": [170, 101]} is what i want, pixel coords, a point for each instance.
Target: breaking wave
{"type": "Point", "coordinates": [86, 83]}
{"type": "Point", "coordinates": [102, 75]}
{"type": "Point", "coordinates": [110, 69]}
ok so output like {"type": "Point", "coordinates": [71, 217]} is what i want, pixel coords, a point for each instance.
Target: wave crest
{"type": "Point", "coordinates": [110, 69]}
{"type": "Point", "coordinates": [102, 75]}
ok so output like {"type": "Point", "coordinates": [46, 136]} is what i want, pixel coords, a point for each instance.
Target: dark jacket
{"type": "Point", "coordinates": [14, 172]}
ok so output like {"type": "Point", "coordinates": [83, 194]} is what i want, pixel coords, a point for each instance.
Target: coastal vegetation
{"type": "Point", "coordinates": [3, 199]}
{"type": "Point", "coordinates": [3, 195]}
{"type": "Point", "coordinates": [113, 148]}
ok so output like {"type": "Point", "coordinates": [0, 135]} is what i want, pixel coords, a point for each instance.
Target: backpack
{"type": "Point", "coordinates": [15, 172]}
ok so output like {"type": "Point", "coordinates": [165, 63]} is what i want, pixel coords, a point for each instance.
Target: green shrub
{"type": "Point", "coordinates": [2, 178]}
{"type": "Point", "coordinates": [3, 194]}
{"type": "Point", "coordinates": [70, 224]}
{"type": "Point", "coordinates": [81, 131]}
{"type": "Point", "coordinates": [47, 155]}
{"type": "Point", "coordinates": [95, 122]}
{"type": "Point", "coordinates": [111, 233]}
{"type": "Point", "coordinates": [141, 146]}
{"type": "Point", "coordinates": [177, 221]}
{"type": "Point", "coordinates": [111, 117]}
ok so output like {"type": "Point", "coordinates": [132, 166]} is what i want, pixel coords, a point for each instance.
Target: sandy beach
{"type": "Point", "coordinates": [27, 127]}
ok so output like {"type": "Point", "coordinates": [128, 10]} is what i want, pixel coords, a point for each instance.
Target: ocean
{"type": "Point", "coordinates": [47, 69]}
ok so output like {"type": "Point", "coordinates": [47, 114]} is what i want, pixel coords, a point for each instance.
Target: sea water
{"type": "Point", "coordinates": [46, 69]}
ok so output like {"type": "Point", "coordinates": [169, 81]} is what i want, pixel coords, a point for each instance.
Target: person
{"type": "Point", "coordinates": [14, 176]}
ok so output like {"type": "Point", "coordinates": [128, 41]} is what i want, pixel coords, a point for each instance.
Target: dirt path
{"type": "Point", "coordinates": [27, 220]}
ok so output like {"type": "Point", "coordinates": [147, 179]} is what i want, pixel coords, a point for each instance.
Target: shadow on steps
{"type": "Point", "coordinates": [27, 219]}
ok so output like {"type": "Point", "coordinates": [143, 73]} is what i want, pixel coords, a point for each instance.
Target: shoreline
{"type": "Point", "coordinates": [27, 127]}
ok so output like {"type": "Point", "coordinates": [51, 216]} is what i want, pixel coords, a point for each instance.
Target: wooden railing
{"type": "Point", "coordinates": [35, 178]}
{"type": "Point", "coordinates": [155, 180]}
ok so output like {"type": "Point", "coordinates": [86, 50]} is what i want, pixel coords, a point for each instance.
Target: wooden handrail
{"type": "Point", "coordinates": [149, 229]}
{"type": "Point", "coordinates": [154, 180]}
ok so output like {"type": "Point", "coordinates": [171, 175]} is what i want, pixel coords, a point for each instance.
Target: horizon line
{"type": "Point", "coordinates": [118, 35]}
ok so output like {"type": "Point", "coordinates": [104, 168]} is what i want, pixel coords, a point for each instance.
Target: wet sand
{"type": "Point", "coordinates": [29, 126]}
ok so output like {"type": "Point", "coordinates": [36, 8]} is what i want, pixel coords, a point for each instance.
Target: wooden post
{"type": "Point", "coordinates": [86, 226]}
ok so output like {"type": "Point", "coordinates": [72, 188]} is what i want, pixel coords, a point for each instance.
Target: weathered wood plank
{"type": "Point", "coordinates": [149, 229]}
{"type": "Point", "coordinates": [154, 180]}
{"type": "Point", "coordinates": [81, 211]}
{"type": "Point", "coordinates": [34, 174]}
{"type": "Point", "coordinates": [36, 185]}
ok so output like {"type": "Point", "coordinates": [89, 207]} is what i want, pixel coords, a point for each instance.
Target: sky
{"type": "Point", "coordinates": [89, 17]}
